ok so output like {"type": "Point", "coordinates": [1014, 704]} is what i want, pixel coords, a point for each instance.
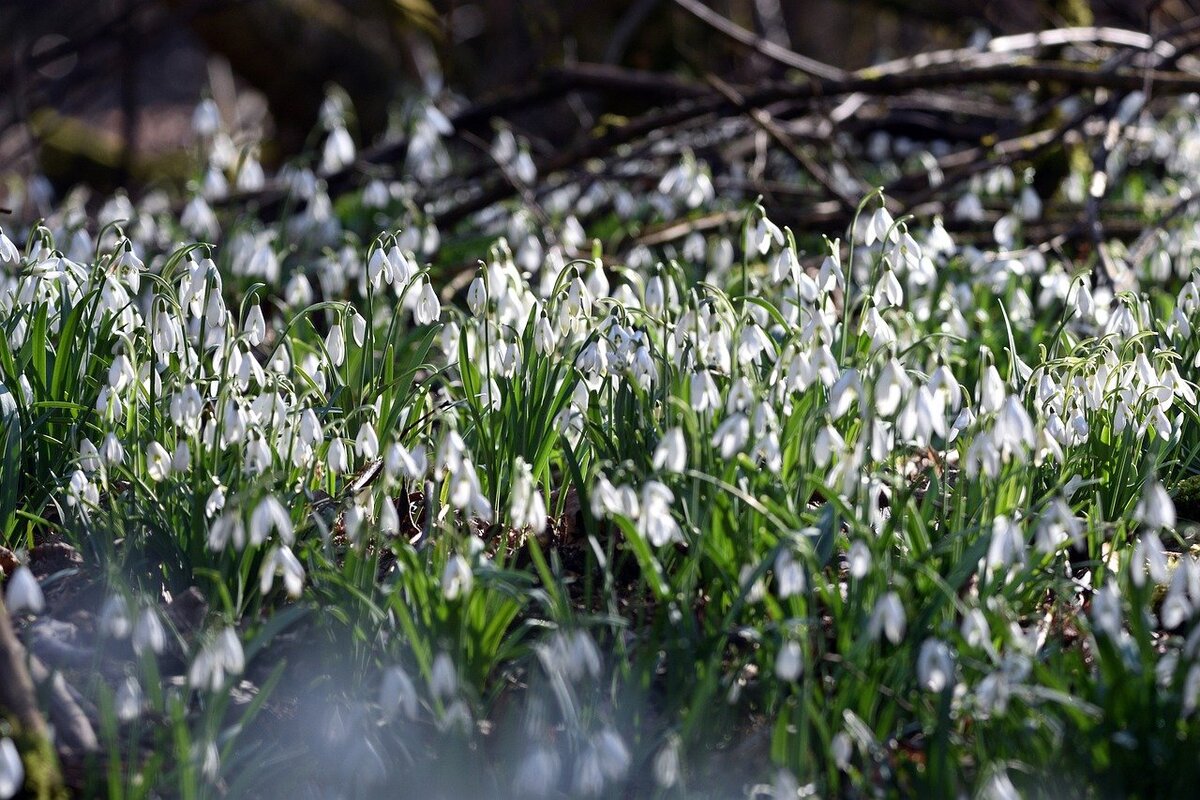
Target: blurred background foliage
{"type": "Point", "coordinates": [101, 91]}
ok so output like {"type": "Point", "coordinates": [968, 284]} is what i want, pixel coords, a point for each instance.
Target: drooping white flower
{"type": "Point", "coordinates": [23, 594]}
{"type": "Point", "coordinates": [887, 618]}
{"type": "Point", "coordinates": [12, 771]}
{"type": "Point", "coordinates": [671, 453]}
{"type": "Point", "coordinates": [268, 517]}
{"type": "Point", "coordinates": [935, 665]}
{"type": "Point", "coordinates": [282, 561]}
{"type": "Point", "coordinates": [158, 462]}
{"type": "Point", "coordinates": [457, 578]}
{"type": "Point", "coordinates": [789, 663]}
{"type": "Point", "coordinates": [1155, 510]}
{"type": "Point", "coordinates": [528, 509]}
{"type": "Point", "coordinates": [656, 522]}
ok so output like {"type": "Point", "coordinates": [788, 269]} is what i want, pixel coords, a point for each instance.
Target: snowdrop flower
{"type": "Point", "coordinates": [339, 150]}
{"type": "Point", "coordinates": [1148, 555]}
{"type": "Point", "coordinates": [1155, 510]}
{"type": "Point", "coordinates": [12, 771]}
{"type": "Point", "coordinates": [336, 458]}
{"type": "Point", "coordinates": [23, 595]}
{"type": "Point", "coordinates": [790, 578]}
{"type": "Point", "coordinates": [859, 559]}
{"type": "Point", "coordinates": [935, 665]}
{"type": "Point", "coordinates": [656, 522]}
{"type": "Point", "coordinates": [887, 618]}
{"type": "Point", "coordinates": [335, 345]}
{"type": "Point", "coordinates": [226, 528]}
{"type": "Point", "coordinates": [158, 462]}
{"type": "Point", "coordinates": [671, 453]}
{"type": "Point", "coordinates": [538, 774]}
{"type": "Point", "coordinates": [443, 678]}
{"type": "Point", "coordinates": [281, 561]}
{"type": "Point", "coordinates": [789, 662]}
{"type": "Point", "coordinates": [428, 308]}
{"type": "Point", "coordinates": [270, 516]}
{"type": "Point", "coordinates": [397, 693]}
{"type": "Point", "coordinates": [366, 444]}
{"type": "Point", "coordinates": [528, 510]}
{"type": "Point", "coordinates": [666, 762]}
{"type": "Point", "coordinates": [221, 656]}
{"type": "Point", "coordinates": [457, 578]}
{"type": "Point", "coordinates": [148, 633]}
{"type": "Point", "coordinates": [127, 702]}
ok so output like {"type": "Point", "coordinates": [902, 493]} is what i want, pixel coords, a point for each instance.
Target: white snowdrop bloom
{"type": "Point", "coordinates": [428, 308]}
{"type": "Point", "coordinates": [975, 629]}
{"type": "Point", "coordinates": [887, 618]}
{"type": "Point", "coordinates": [670, 455]}
{"type": "Point", "coordinates": [398, 693]}
{"type": "Point", "coordinates": [790, 578]}
{"type": "Point", "coordinates": [789, 663]}
{"type": "Point", "coordinates": [336, 459]}
{"type": "Point", "coordinates": [268, 517]}
{"type": "Point", "coordinates": [655, 521]}
{"type": "Point", "coordinates": [380, 269]}
{"type": "Point", "coordinates": [1057, 526]}
{"type": "Point", "coordinates": [219, 657]}
{"type": "Point", "coordinates": [148, 636]}
{"type": "Point", "coordinates": [880, 228]}
{"type": "Point", "coordinates": [115, 621]}
{"type": "Point", "coordinates": [1013, 431]}
{"type": "Point", "coordinates": [12, 771]}
{"type": "Point", "coordinates": [457, 578]}
{"type": "Point", "coordinates": [992, 392]}
{"type": "Point", "coordinates": [89, 457]}
{"type": "Point", "coordinates": [443, 677]}
{"type": "Point", "coordinates": [226, 528]}
{"type": "Point", "coordinates": [858, 557]}
{"type": "Point", "coordinates": [158, 462]}
{"type": "Point", "coordinates": [655, 295]}
{"type": "Point", "coordinates": [10, 256]}
{"type": "Point", "coordinates": [731, 435]}
{"type": "Point", "coordinates": [335, 345]}
{"type": "Point", "coordinates": [666, 762]}
{"type": "Point", "coordinates": [399, 461]}
{"type": "Point", "coordinates": [891, 386]}
{"type": "Point", "coordinates": [256, 326]}
{"type": "Point", "coordinates": [528, 509]}
{"type": "Point", "coordinates": [366, 444]}
{"type": "Point", "coordinates": [23, 595]}
{"type": "Point", "coordinates": [1007, 545]}
{"type": "Point", "coordinates": [888, 293]}
{"type": "Point", "coordinates": [206, 118]}
{"type": "Point", "coordinates": [1155, 510]}
{"type": "Point", "coordinates": [922, 418]}
{"type": "Point", "coordinates": [127, 702]}
{"type": "Point", "coordinates": [121, 373]}
{"type": "Point", "coordinates": [1176, 605]}
{"type": "Point", "coordinates": [1149, 555]}
{"type": "Point", "coordinates": [353, 520]}
{"type": "Point", "coordinates": [843, 393]}
{"type": "Point", "coordinates": [826, 445]}
{"type": "Point", "coordinates": [538, 773]}
{"type": "Point", "coordinates": [612, 753]}
{"type": "Point", "coordinates": [477, 295]}
{"type": "Point", "coordinates": [215, 501]}
{"type": "Point", "coordinates": [935, 665]}
{"type": "Point", "coordinates": [762, 234]}
{"type": "Point", "coordinates": [704, 395]}
{"type": "Point", "coordinates": [999, 787]}
{"type": "Point", "coordinates": [282, 561]}
{"type": "Point", "coordinates": [1106, 610]}
{"type": "Point", "coordinates": [338, 151]}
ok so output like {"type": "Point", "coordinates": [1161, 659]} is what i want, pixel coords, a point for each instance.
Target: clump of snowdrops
{"type": "Point", "coordinates": [891, 515]}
